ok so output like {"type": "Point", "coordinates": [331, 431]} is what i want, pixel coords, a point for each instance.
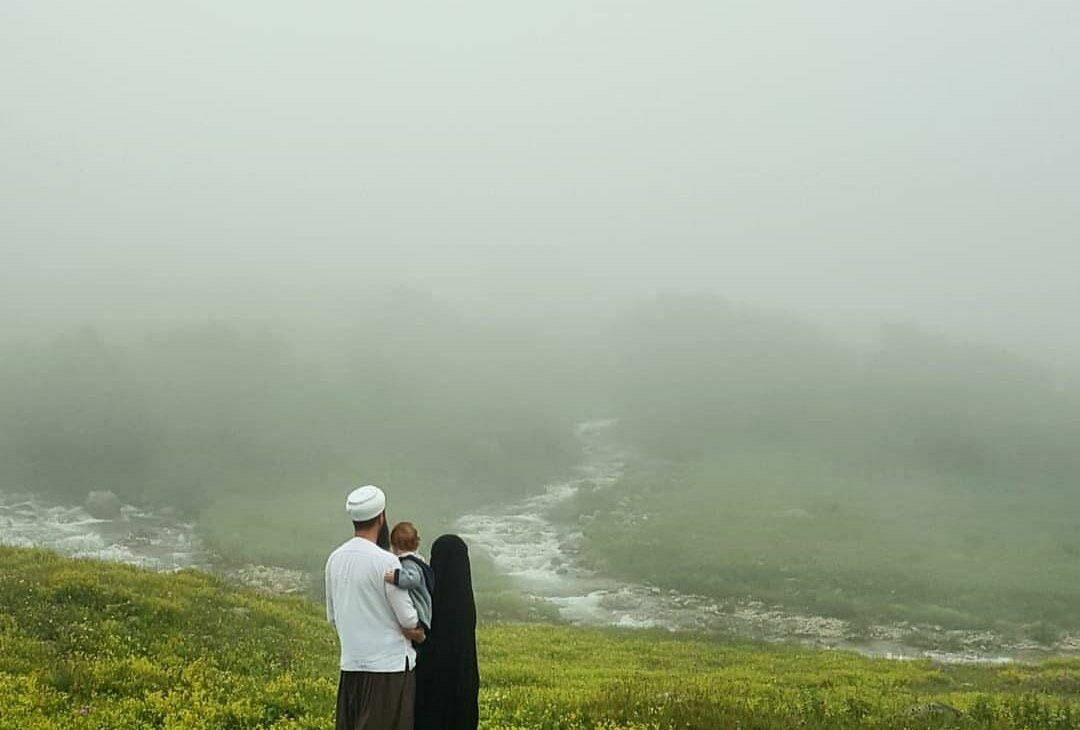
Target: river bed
{"type": "Point", "coordinates": [154, 540]}
{"type": "Point", "coordinates": [542, 556]}
{"type": "Point", "coordinates": [150, 540]}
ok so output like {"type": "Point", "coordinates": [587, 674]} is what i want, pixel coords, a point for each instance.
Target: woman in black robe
{"type": "Point", "coordinates": [447, 676]}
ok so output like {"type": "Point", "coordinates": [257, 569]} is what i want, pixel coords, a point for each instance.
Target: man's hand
{"type": "Point", "coordinates": [388, 576]}
{"type": "Point", "coordinates": [415, 635]}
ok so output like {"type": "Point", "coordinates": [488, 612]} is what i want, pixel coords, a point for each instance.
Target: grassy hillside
{"type": "Point", "coordinates": [790, 529]}
{"type": "Point", "coordinates": [86, 645]}
{"type": "Point", "coordinates": [921, 479]}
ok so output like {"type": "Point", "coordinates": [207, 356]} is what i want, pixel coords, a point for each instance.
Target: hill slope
{"type": "Point", "coordinates": [93, 645]}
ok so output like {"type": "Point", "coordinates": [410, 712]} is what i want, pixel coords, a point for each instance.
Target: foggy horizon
{"type": "Point", "coordinates": [848, 164]}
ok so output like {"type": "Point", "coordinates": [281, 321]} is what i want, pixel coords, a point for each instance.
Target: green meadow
{"type": "Point", "coordinates": [923, 478]}
{"type": "Point", "coordinates": [790, 530]}
{"type": "Point", "coordinates": [88, 645]}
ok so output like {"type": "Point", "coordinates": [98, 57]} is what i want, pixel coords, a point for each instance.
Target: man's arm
{"type": "Point", "coordinates": [401, 605]}
{"type": "Point", "coordinates": [416, 636]}
{"type": "Point", "coordinates": [329, 596]}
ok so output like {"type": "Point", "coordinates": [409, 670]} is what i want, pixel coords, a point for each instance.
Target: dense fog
{"type": "Point", "coordinates": [900, 161]}
{"type": "Point", "coordinates": [254, 254]}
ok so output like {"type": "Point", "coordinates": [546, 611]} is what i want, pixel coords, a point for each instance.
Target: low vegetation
{"type": "Point", "coordinates": [97, 646]}
{"type": "Point", "coordinates": [796, 532]}
{"type": "Point", "coordinates": [919, 479]}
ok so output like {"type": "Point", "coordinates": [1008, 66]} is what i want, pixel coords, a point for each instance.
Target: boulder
{"type": "Point", "coordinates": [103, 505]}
{"type": "Point", "coordinates": [934, 714]}
{"type": "Point", "coordinates": [271, 579]}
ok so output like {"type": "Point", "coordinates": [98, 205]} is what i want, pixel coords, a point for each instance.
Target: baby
{"type": "Point", "coordinates": [415, 575]}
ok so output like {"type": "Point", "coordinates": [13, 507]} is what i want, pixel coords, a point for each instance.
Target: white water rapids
{"type": "Point", "coordinates": [149, 540]}
{"type": "Point", "coordinates": [542, 556]}
{"type": "Point", "coordinates": [153, 540]}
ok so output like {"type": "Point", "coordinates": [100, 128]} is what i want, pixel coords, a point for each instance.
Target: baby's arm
{"type": "Point", "coordinates": [409, 576]}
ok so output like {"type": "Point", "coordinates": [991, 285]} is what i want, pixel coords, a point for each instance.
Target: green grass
{"type": "Point", "coordinates": [89, 645]}
{"type": "Point", "coordinates": [793, 528]}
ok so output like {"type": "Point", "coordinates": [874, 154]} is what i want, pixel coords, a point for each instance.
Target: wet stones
{"type": "Point", "coordinates": [934, 714]}
{"type": "Point", "coordinates": [271, 579]}
{"type": "Point", "coordinates": [587, 486]}
{"type": "Point", "coordinates": [570, 547]}
{"type": "Point", "coordinates": [102, 505]}
{"type": "Point", "coordinates": [795, 513]}
{"type": "Point", "coordinates": [140, 538]}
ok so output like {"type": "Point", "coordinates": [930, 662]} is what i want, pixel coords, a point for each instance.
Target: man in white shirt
{"type": "Point", "coordinates": [376, 624]}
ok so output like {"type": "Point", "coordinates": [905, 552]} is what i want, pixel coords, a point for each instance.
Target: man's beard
{"type": "Point", "coordinates": [383, 540]}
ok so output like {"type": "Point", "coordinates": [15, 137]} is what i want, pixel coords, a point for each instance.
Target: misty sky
{"type": "Point", "coordinates": [854, 161]}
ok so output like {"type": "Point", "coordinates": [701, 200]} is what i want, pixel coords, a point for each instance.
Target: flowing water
{"type": "Point", "coordinates": [153, 540]}
{"type": "Point", "coordinates": [542, 555]}
{"type": "Point", "coordinates": [150, 540]}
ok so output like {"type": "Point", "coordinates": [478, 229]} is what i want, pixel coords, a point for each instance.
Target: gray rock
{"type": "Point", "coordinates": [271, 579]}
{"type": "Point", "coordinates": [936, 713]}
{"type": "Point", "coordinates": [102, 505]}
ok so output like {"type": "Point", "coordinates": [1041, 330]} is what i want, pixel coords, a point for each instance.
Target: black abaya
{"type": "Point", "coordinates": [447, 675]}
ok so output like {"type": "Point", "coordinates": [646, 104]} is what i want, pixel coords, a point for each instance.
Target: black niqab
{"type": "Point", "coordinates": [447, 675]}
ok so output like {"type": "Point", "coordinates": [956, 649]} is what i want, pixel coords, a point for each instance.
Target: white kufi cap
{"type": "Point", "coordinates": [365, 503]}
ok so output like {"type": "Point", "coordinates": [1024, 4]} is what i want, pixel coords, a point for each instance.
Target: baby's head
{"type": "Point", "coordinates": [404, 538]}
